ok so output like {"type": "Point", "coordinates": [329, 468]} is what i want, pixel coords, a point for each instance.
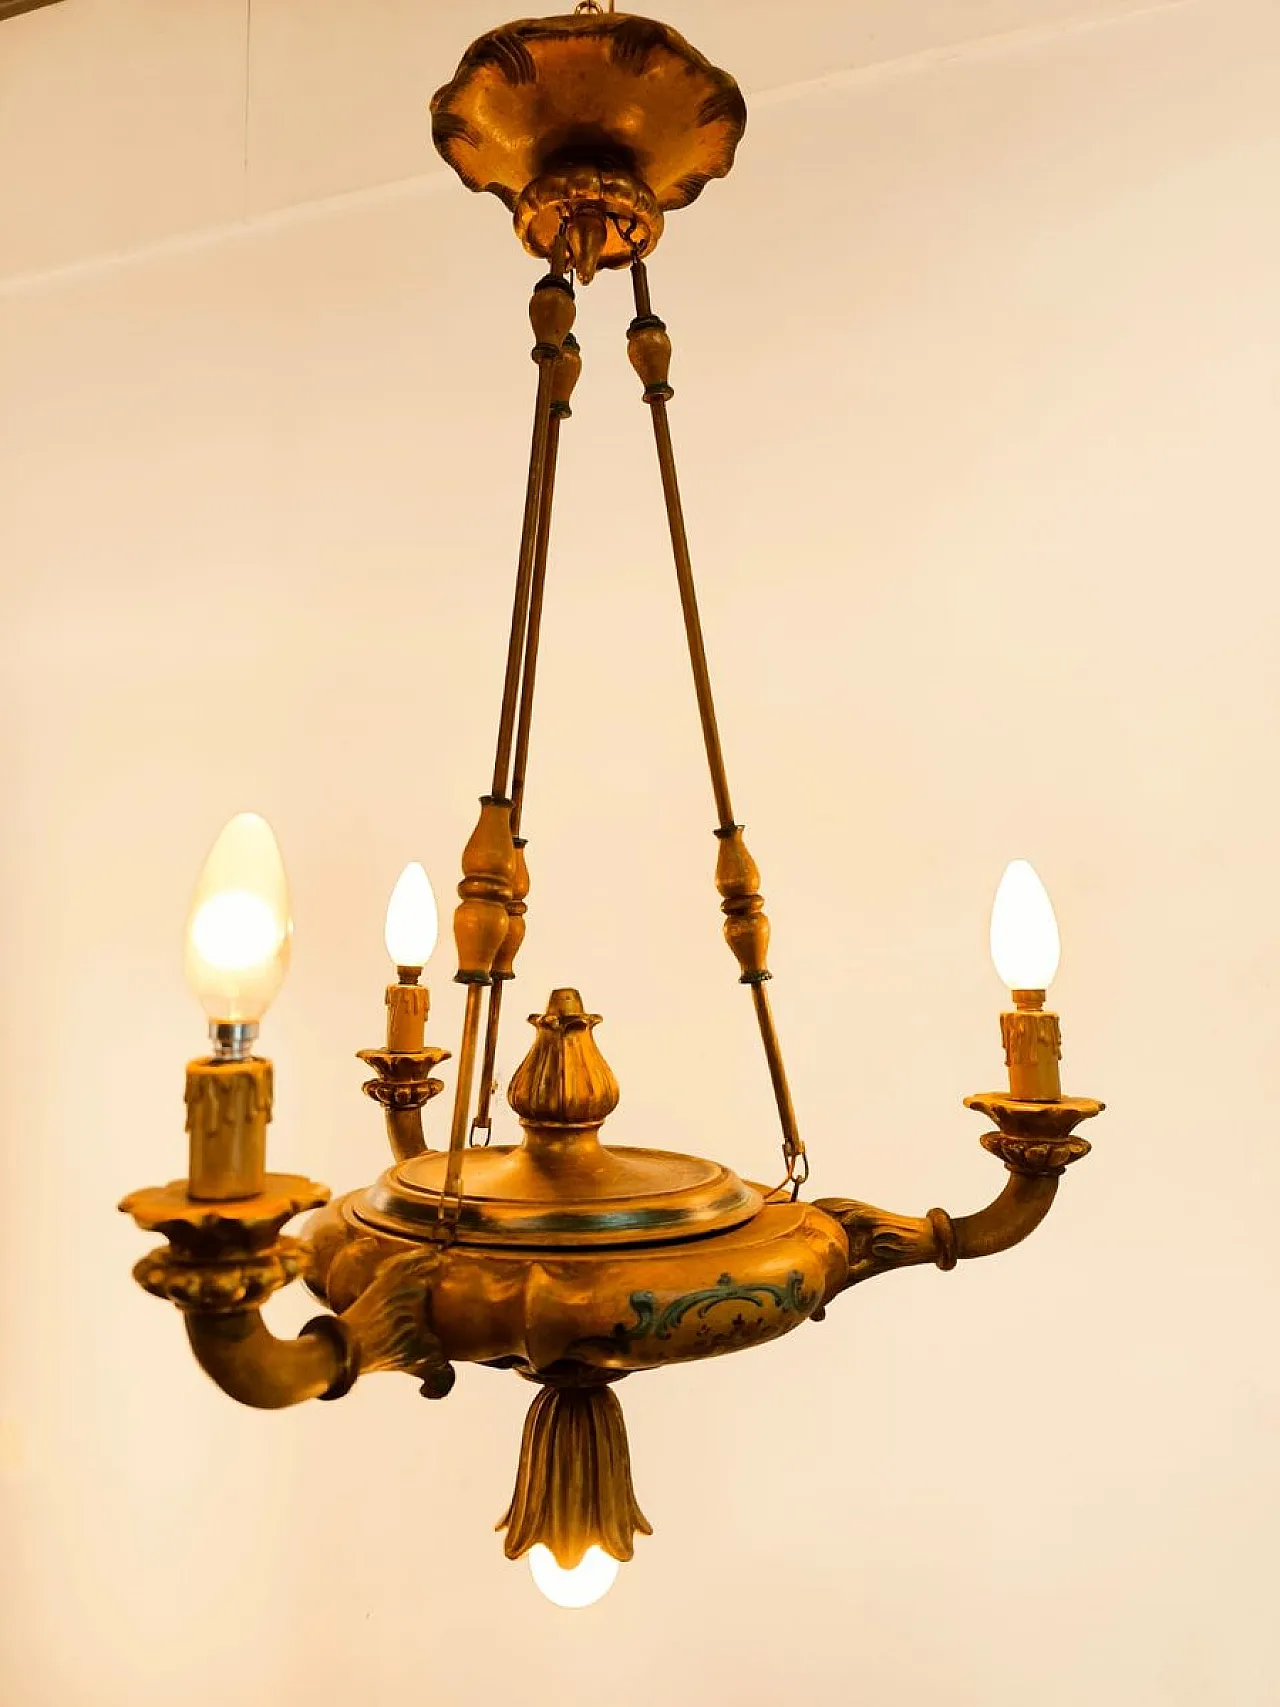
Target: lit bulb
{"type": "Point", "coordinates": [413, 923]}
{"type": "Point", "coordinates": [585, 1584]}
{"type": "Point", "coordinates": [238, 928]}
{"type": "Point", "coordinates": [1024, 931]}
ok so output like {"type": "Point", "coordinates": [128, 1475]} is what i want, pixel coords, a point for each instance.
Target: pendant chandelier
{"type": "Point", "coordinates": [567, 1260]}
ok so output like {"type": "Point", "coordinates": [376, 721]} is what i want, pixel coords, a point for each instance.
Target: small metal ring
{"type": "Point", "coordinates": [798, 1171]}
{"type": "Point", "coordinates": [944, 1238]}
{"type": "Point", "coordinates": [340, 1337]}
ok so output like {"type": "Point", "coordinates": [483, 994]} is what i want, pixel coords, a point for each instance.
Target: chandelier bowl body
{"type": "Point", "coordinates": [622, 1309]}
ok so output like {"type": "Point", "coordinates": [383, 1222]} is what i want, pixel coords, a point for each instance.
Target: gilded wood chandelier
{"type": "Point", "coordinates": [572, 1262]}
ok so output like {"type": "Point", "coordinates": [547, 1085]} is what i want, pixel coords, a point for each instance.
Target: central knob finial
{"type": "Point", "coordinates": [564, 1080]}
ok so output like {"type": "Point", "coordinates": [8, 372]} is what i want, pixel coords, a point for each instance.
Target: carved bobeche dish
{"type": "Point", "coordinates": [568, 1260]}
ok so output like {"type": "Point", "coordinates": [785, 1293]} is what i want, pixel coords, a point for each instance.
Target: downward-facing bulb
{"type": "Point", "coordinates": [585, 1584]}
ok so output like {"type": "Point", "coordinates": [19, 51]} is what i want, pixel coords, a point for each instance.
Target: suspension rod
{"type": "Point", "coordinates": [564, 376]}
{"type": "Point", "coordinates": [650, 350]}
{"type": "Point", "coordinates": [486, 919]}
{"type": "Point", "coordinates": [452, 1192]}
{"type": "Point", "coordinates": [493, 1019]}
{"type": "Point", "coordinates": [746, 925]}
{"type": "Point", "coordinates": [551, 313]}
{"type": "Point", "coordinates": [793, 1150]}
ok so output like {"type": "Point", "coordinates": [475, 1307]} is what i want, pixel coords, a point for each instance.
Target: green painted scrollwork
{"type": "Point", "coordinates": [752, 1320]}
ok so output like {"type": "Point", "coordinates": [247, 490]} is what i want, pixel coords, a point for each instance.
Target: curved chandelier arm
{"type": "Point", "coordinates": [385, 1329]}
{"type": "Point", "coordinates": [880, 1240]}
{"type": "Point", "coordinates": [242, 1356]}
{"type": "Point", "coordinates": [404, 1132]}
{"type": "Point", "coordinates": [225, 1259]}
{"type": "Point", "coordinates": [1007, 1219]}
{"type": "Point", "coordinates": [1036, 1144]}
{"type": "Point", "coordinates": [402, 1088]}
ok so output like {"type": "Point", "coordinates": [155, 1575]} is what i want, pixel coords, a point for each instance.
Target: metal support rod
{"type": "Point", "coordinates": [793, 1149]}
{"type": "Point", "coordinates": [564, 374]}
{"type": "Point", "coordinates": [483, 1121]}
{"type": "Point", "coordinates": [532, 633]}
{"type": "Point", "coordinates": [524, 574]}
{"type": "Point", "coordinates": [462, 1100]}
{"type": "Point", "coordinates": [493, 1019]}
{"type": "Point", "coordinates": [551, 314]}
{"type": "Point", "coordinates": [657, 400]}
{"type": "Point", "coordinates": [746, 924]}
{"type": "Point", "coordinates": [537, 595]}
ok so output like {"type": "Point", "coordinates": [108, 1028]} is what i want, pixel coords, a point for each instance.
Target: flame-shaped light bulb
{"type": "Point", "coordinates": [238, 929]}
{"type": "Point", "coordinates": [585, 1584]}
{"type": "Point", "coordinates": [413, 920]}
{"type": "Point", "coordinates": [1024, 931]}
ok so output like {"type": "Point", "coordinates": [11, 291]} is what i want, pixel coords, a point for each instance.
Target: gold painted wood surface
{"type": "Point", "coordinates": [562, 1187]}
{"type": "Point", "coordinates": [564, 1080]}
{"type": "Point", "coordinates": [403, 1087]}
{"type": "Point", "coordinates": [621, 1309]}
{"type": "Point", "coordinates": [571, 1261]}
{"type": "Point", "coordinates": [573, 1486]}
{"type": "Point", "coordinates": [1032, 1039]}
{"type": "Point", "coordinates": [624, 101]}
{"type": "Point", "coordinates": [408, 1007]}
{"type": "Point", "coordinates": [228, 1111]}
{"type": "Point", "coordinates": [1035, 1142]}
{"type": "Point", "coordinates": [488, 872]}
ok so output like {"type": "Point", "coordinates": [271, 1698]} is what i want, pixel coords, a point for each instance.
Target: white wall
{"type": "Point", "coordinates": [978, 375]}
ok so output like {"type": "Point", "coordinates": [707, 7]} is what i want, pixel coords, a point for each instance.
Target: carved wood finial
{"type": "Point", "coordinates": [567, 372]}
{"type": "Point", "coordinates": [746, 924]}
{"type": "Point", "coordinates": [649, 349]}
{"type": "Point", "coordinates": [552, 312]}
{"type": "Point", "coordinates": [564, 1080]}
{"type": "Point", "coordinates": [480, 922]}
{"type": "Point", "coordinates": [517, 907]}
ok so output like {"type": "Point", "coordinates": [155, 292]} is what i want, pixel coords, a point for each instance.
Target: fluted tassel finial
{"type": "Point", "coordinates": [573, 1487]}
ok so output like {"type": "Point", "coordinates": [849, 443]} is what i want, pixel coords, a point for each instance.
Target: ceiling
{"type": "Point", "coordinates": [138, 121]}
{"type": "Point", "coordinates": [11, 8]}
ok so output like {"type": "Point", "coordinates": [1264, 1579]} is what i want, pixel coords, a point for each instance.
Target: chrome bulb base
{"type": "Point", "coordinates": [232, 1040]}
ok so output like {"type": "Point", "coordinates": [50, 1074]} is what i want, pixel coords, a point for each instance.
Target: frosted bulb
{"type": "Point", "coordinates": [1024, 931]}
{"type": "Point", "coordinates": [238, 928]}
{"type": "Point", "coordinates": [413, 923]}
{"type": "Point", "coordinates": [585, 1584]}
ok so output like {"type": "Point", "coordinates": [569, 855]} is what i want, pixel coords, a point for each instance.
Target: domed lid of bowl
{"type": "Point", "coordinates": [562, 1187]}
